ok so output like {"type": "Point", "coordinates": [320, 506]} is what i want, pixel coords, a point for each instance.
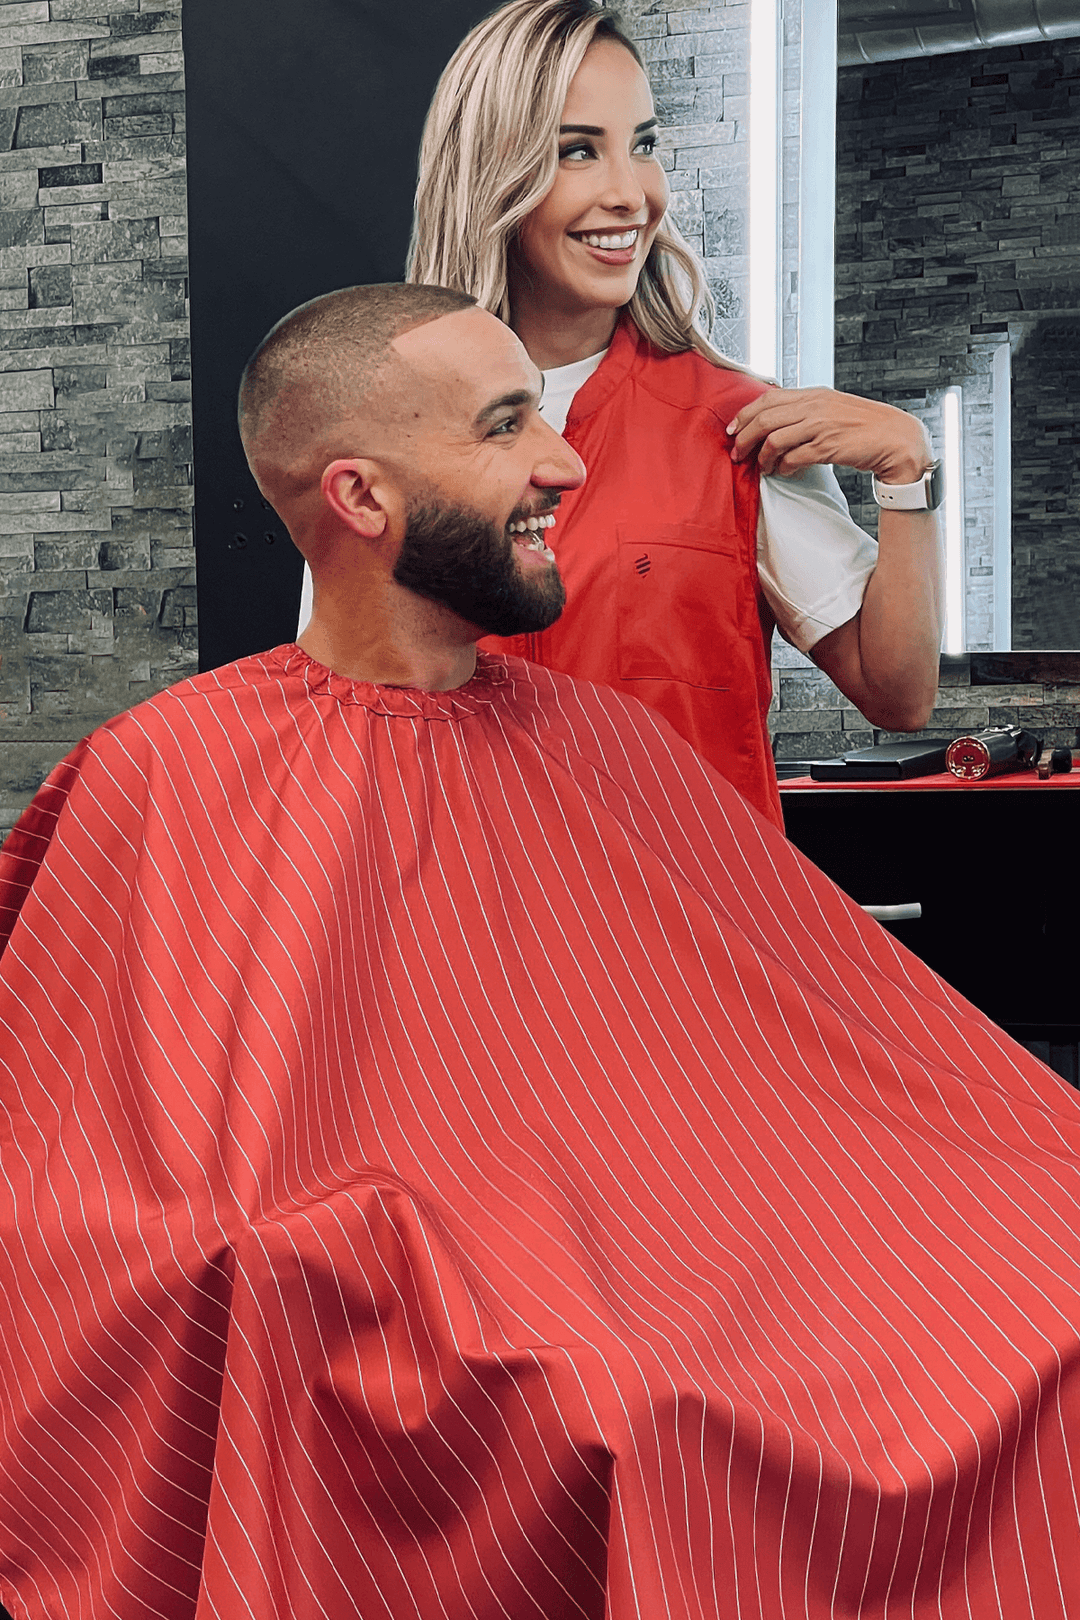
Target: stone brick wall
{"type": "Point", "coordinates": [698, 60]}
{"type": "Point", "coordinates": [958, 200]}
{"type": "Point", "coordinates": [97, 600]}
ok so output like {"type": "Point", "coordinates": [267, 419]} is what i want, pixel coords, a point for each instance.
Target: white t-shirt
{"type": "Point", "coordinates": [813, 559]}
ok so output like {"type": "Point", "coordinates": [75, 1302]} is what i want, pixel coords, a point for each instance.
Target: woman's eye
{"type": "Point", "coordinates": [580, 150]}
{"type": "Point", "coordinates": [647, 145]}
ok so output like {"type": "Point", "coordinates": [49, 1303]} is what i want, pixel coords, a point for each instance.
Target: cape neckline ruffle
{"type": "Point", "coordinates": [404, 701]}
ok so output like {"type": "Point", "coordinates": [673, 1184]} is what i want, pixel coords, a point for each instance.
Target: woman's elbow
{"type": "Point", "coordinates": [901, 711]}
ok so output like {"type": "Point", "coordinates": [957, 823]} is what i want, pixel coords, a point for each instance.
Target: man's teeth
{"type": "Point", "coordinates": [534, 526]}
{"type": "Point", "coordinates": [611, 243]}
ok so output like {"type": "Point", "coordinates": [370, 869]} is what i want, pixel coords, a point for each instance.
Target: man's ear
{"type": "Point", "coordinates": [360, 496]}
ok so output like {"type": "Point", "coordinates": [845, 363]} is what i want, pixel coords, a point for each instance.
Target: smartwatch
{"type": "Point", "coordinates": [925, 495]}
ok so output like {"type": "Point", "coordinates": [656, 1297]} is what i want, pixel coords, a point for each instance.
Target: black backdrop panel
{"type": "Point", "coordinates": [304, 120]}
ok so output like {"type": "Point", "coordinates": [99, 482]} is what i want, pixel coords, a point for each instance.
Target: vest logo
{"type": "Point", "coordinates": [643, 563]}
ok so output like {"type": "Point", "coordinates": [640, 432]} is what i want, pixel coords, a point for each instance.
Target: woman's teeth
{"type": "Point", "coordinates": [610, 244]}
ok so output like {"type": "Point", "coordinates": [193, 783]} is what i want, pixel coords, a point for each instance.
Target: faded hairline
{"type": "Point", "coordinates": [315, 367]}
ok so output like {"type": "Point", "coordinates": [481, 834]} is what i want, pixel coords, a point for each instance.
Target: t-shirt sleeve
{"type": "Point", "coordinates": [813, 559]}
{"type": "Point", "coordinates": [306, 602]}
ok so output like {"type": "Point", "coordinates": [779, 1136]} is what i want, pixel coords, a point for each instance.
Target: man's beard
{"type": "Point", "coordinates": [459, 558]}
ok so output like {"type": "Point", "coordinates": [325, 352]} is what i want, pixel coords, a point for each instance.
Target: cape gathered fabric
{"type": "Point", "coordinates": [658, 553]}
{"type": "Point", "coordinates": [457, 1162]}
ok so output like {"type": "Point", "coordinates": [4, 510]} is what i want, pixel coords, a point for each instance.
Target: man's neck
{"type": "Point", "coordinates": [433, 652]}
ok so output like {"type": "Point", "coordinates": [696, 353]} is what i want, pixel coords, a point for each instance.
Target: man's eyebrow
{"type": "Point", "coordinates": [505, 402]}
{"type": "Point", "coordinates": [594, 129]}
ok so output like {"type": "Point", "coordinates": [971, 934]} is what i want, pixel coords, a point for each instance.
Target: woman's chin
{"type": "Point", "coordinates": [609, 290]}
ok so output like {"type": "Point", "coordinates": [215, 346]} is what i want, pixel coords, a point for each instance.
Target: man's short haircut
{"type": "Point", "coordinates": [315, 366]}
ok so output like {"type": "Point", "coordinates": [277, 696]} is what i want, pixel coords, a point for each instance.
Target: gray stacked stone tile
{"type": "Point", "coordinates": [97, 601]}
{"type": "Point", "coordinates": [698, 60]}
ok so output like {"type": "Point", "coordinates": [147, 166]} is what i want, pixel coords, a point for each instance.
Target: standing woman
{"type": "Point", "coordinates": [705, 519]}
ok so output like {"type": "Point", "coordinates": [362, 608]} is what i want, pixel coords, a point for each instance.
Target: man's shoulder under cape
{"type": "Point", "coordinates": [457, 1162]}
{"type": "Point", "coordinates": [244, 724]}
{"type": "Point", "coordinates": [237, 712]}
{"type": "Point", "coordinates": [130, 733]}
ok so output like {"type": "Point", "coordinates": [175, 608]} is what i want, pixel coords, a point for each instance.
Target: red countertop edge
{"type": "Point", "coordinates": [941, 781]}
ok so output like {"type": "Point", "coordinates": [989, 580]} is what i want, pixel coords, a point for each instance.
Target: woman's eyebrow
{"type": "Point", "coordinates": [594, 129]}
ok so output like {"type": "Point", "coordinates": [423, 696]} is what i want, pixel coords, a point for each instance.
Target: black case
{"type": "Point", "coordinates": [885, 762]}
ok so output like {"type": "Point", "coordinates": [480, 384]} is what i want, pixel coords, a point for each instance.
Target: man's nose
{"type": "Point", "coordinates": [559, 466]}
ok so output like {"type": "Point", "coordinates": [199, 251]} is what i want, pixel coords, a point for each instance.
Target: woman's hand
{"type": "Point", "coordinates": [792, 428]}
{"type": "Point", "coordinates": [885, 659]}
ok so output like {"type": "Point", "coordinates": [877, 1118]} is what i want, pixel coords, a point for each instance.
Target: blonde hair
{"type": "Point", "coordinates": [490, 154]}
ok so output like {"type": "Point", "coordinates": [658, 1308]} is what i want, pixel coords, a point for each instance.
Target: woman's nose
{"type": "Point", "coordinates": [623, 188]}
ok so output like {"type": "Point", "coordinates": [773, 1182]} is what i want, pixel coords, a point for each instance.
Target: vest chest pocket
{"type": "Point", "coordinates": [685, 605]}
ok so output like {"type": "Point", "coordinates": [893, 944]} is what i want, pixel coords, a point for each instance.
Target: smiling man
{"type": "Point", "coordinates": [458, 1162]}
{"type": "Point", "coordinates": [395, 468]}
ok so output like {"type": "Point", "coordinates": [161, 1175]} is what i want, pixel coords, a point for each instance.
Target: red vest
{"type": "Point", "coordinates": [658, 551]}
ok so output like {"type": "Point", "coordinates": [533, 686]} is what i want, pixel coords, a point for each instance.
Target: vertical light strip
{"type": "Point", "coordinates": [763, 337]}
{"type": "Point", "coordinates": [1002, 419]}
{"type": "Point", "coordinates": [952, 407]}
{"type": "Point", "coordinates": [817, 195]}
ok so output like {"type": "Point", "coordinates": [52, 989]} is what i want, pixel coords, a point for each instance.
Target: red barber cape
{"type": "Point", "coordinates": [457, 1162]}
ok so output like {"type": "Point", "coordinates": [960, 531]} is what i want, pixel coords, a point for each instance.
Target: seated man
{"type": "Point", "coordinates": [458, 1162]}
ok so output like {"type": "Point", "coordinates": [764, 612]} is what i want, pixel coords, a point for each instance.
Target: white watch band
{"type": "Point", "coordinates": [925, 495]}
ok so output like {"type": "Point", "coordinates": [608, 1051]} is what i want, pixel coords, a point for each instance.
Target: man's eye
{"type": "Point", "coordinates": [503, 428]}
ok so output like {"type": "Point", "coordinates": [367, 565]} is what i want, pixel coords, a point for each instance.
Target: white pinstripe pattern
{"type": "Point", "coordinates": [459, 1164]}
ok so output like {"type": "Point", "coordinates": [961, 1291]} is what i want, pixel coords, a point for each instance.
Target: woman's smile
{"type": "Point", "coordinates": [610, 247]}
{"type": "Point", "coordinates": [581, 250]}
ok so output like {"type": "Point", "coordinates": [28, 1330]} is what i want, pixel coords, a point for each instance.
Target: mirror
{"type": "Point", "coordinates": [958, 274]}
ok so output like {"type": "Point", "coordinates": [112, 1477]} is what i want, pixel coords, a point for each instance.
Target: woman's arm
{"type": "Point", "coordinates": [885, 659]}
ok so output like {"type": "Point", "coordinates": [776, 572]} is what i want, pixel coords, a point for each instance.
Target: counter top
{"type": "Point", "coordinates": [943, 781]}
